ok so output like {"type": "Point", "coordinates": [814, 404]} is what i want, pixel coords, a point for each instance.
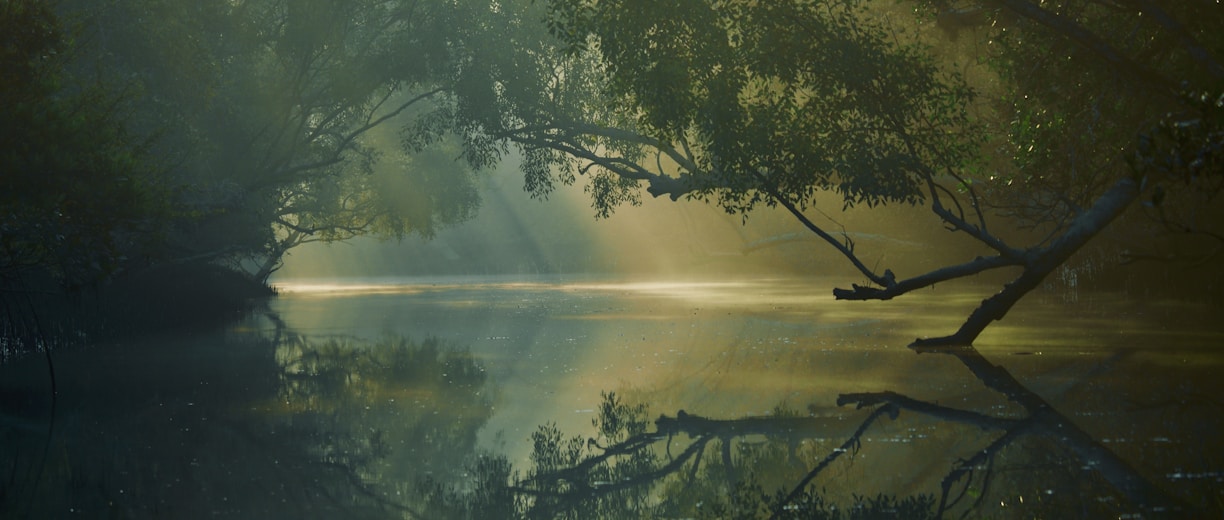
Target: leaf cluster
{"type": "Point", "coordinates": [778, 99]}
{"type": "Point", "coordinates": [78, 191]}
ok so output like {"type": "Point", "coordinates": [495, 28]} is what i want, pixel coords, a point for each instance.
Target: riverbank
{"type": "Point", "coordinates": [175, 297]}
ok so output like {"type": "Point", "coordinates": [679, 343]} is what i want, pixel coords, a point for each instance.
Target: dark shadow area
{"type": "Point", "coordinates": [256, 420]}
{"type": "Point", "coordinates": [39, 314]}
{"type": "Point", "coordinates": [238, 424]}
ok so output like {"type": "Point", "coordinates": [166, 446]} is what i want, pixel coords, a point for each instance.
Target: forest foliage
{"type": "Point", "coordinates": [144, 134]}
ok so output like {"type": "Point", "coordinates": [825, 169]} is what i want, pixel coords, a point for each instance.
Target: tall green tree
{"type": "Point", "coordinates": [77, 190]}
{"type": "Point", "coordinates": [280, 117]}
{"type": "Point", "coordinates": [746, 104]}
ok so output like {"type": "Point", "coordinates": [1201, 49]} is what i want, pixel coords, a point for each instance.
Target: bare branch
{"type": "Point", "coordinates": [886, 280]}
{"type": "Point", "coordinates": [960, 224]}
{"type": "Point", "coordinates": [985, 422]}
{"type": "Point", "coordinates": [952, 272]}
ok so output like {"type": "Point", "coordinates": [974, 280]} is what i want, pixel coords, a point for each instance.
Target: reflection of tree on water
{"type": "Point", "coordinates": [293, 426]}
{"type": "Point", "coordinates": [395, 411]}
{"type": "Point", "coordinates": [1023, 460]}
{"type": "Point", "coordinates": [688, 467]}
{"type": "Point", "coordinates": [241, 425]}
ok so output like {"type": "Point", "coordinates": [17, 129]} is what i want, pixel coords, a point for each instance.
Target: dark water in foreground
{"type": "Point", "coordinates": [414, 398]}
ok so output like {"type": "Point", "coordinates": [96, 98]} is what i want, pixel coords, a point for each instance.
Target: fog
{"type": "Point", "coordinates": [516, 234]}
{"type": "Point", "coordinates": [535, 259]}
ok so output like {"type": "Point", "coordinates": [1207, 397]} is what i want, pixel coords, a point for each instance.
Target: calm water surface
{"type": "Point", "coordinates": [353, 397]}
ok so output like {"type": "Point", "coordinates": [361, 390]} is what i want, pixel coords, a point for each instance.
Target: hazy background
{"type": "Point", "coordinates": [515, 234]}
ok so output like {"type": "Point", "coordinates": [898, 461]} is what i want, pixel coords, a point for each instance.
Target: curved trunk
{"type": "Point", "coordinates": [1039, 263]}
{"type": "Point", "coordinates": [276, 256]}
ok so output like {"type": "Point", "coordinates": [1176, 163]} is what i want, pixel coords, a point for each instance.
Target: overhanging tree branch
{"type": "Point", "coordinates": [975, 266]}
{"type": "Point", "coordinates": [1040, 262]}
{"type": "Point", "coordinates": [885, 280]}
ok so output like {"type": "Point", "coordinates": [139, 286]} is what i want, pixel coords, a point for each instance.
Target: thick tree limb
{"type": "Point", "coordinates": [1040, 262]}
{"type": "Point", "coordinates": [656, 184]}
{"type": "Point", "coordinates": [682, 159]}
{"type": "Point", "coordinates": [1047, 420]}
{"type": "Point", "coordinates": [975, 266]}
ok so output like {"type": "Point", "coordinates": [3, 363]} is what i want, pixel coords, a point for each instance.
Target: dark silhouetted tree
{"type": "Point", "coordinates": [748, 104]}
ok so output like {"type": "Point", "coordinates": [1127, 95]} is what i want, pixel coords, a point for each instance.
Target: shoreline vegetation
{"type": "Point", "coordinates": [180, 297]}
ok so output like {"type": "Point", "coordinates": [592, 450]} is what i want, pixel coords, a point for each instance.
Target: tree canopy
{"type": "Point", "coordinates": [267, 124]}
{"type": "Point", "coordinates": [286, 126]}
{"type": "Point", "coordinates": [1029, 130]}
{"type": "Point", "coordinates": [772, 103]}
{"type": "Point", "coordinates": [263, 125]}
{"type": "Point", "coordinates": [77, 192]}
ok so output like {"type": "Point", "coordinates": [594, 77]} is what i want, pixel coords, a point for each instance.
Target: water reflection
{"type": "Point", "coordinates": [749, 399]}
{"type": "Point", "coordinates": [241, 425]}
{"type": "Point", "coordinates": [972, 432]}
{"type": "Point", "coordinates": [866, 463]}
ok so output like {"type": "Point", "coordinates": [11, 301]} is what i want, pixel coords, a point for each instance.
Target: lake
{"type": "Point", "coordinates": [401, 397]}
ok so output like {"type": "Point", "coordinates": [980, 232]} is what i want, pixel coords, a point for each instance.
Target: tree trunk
{"type": "Point", "coordinates": [270, 265]}
{"type": "Point", "coordinates": [1039, 263]}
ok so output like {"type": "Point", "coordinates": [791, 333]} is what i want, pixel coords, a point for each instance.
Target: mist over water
{"type": "Point", "coordinates": [514, 234]}
{"type": "Point", "coordinates": [749, 347]}
{"type": "Point", "coordinates": [909, 259]}
{"type": "Point", "coordinates": [681, 308]}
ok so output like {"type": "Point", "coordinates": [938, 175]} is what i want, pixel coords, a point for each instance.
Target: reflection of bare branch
{"type": "Point", "coordinates": [575, 475]}
{"type": "Point", "coordinates": [902, 402]}
{"type": "Point", "coordinates": [1049, 421]}
{"type": "Point", "coordinates": [851, 445]}
{"type": "Point", "coordinates": [966, 468]}
{"type": "Point", "coordinates": [702, 430]}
